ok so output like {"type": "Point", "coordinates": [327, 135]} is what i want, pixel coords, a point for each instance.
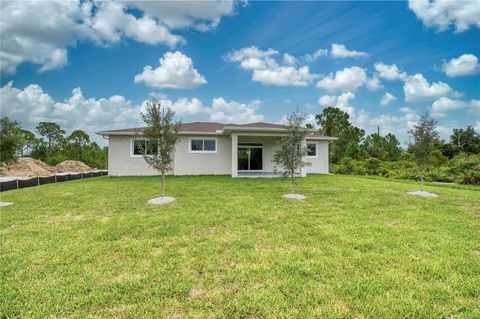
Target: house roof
{"type": "Point", "coordinates": [211, 127]}
{"type": "Point", "coordinates": [218, 128]}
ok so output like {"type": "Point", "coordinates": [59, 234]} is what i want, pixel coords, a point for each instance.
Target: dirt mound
{"type": "Point", "coordinates": [27, 166]}
{"type": "Point", "coordinates": [72, 166]}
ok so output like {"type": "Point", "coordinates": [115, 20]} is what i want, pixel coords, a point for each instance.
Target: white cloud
{"type": "Point", "coordinates": [389, 72]}
{"type": "Point", "coordinates": [418, 89]}
{"type": "Point", "coordinates": [175, 71]}
{"type": "Point", "coordinates": [289, 59]}
{"type": "Point", "coordinates": [199, 15]}
{"type": "Point", "coordinates": [374, 83]}
{"type": "Point", "coordinates": [310, 57]}
{"type": "Point", "coordinates": [466, 64]}
{"type": "Point", "coordinates": [475, 107]}
{"type": "Point", "coordinates": [443, 105]}
{"type": "Point", "coordinates": [348, 79]}
{"type": "Point", "coordinates": [234, 112]}
{"type": "Point", "coordinates": [32, 105]}
{"type": "Point", "coordinates": [266, 69]}
{"type": "Point", "coordinates": [341, 101]}
{"type": "Point", "coordinates": [387, 98]}
{"type": "Point", "coordinates": [40, 32]}
{"type": "Point", "coordinates": [441, 14]}
{"type": "Point", "coordinates": [340, 51]}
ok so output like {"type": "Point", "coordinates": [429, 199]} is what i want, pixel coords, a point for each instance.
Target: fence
{"type": "Point", "coordinates": [22, 182]}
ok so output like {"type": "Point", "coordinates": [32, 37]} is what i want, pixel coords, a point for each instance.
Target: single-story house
{"type": "Point", "coordinates": [213, 148]}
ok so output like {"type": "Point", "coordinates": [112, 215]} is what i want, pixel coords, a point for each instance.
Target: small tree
{"type": "Point", "coordinates": [424, 136]}
{"type": "Point", "coordinates": [290, 150]}
{"type": "Point", "coordinates": [161, 135]}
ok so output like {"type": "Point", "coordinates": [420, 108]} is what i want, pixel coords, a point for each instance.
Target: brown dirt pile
{"type": "Point", "coordinates": [26, 166]}
{"type": "Point", "coordinates": [72, 166]}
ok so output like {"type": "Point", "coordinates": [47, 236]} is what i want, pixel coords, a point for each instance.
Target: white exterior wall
{"type": "Point", "coordinates": [121, 162]}
{"type": "Point", "coordinates": [218, 163]}
{"type": "Point", "coordinates": [120, 159]}
{"type": "Point", "coordinates": [320, 163]}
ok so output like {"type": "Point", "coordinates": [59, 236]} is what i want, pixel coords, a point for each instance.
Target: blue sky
{"type": "Point", "coordinates": [233, 64]}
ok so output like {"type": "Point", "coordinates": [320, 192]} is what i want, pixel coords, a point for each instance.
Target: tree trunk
{"type": "Point", "coordinates": [162, 189]}
{"type": "Point", "coordinates": [293, 184]}
{"type": "Point", "coordinates": [421, 176]}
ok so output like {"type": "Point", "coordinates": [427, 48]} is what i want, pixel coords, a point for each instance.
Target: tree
{"type": "Point", "coordinates": [334, 122]}
{"type": "Point", "coordinates": [79, 138]}
{"type": "Point", "coordinates": [161, 135]}
{"type": "Point", "coordinates": [392, 147]}
{"type": "Point", "coordinates": [466, 140]}
{"type": "Point", "coordinates": [9, 142]}
{"type": "Point", "coordinates": [374, 146]}
{"type": "Point", "coordinates": [424, 136]}
{"type": "Point", "coordinates": [291, 150]}
{"type": "Point", "coordinates": [26, 141]}
{"type": "Point", "coordinates": [52, 131]}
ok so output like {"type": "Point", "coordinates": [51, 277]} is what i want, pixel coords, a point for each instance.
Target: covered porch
{"type": "Point", "coordinates": [252, 154]}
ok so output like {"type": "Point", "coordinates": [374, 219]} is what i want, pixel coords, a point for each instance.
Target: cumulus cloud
{"type": "Point", "coordinates": [417, 89]}
{"type": "Point", "coordinates": [389, 72]}
{"type": "Point", "coordinates": [234, 112]}
{"type": "Point", "coordinates": [348, 79]}
{"type": "Point", "coordinates": [443, 105]}
{"type": "Point", "coordinates": [32, 105]}
{"type": "Point", "coordinates": [340, 51]}
{"type": "Point", "coordinates": [310, 57]}
{"type": "Point", "coordinates": [466, 64]}
{"type": "Point", "coordinates": [441, 14]}
{"type": "Point", "coordinates": [40, 32]}
{"type": "Point", "coordinates": [387, 98]}
{"type": "Point", "coordinates": [341, 101]}
{"type": "Point", "coordinates": [175, 71]}
{"type": "Point", "coordinates": [266, 70]}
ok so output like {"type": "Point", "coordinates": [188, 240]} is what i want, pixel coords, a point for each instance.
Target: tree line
{"type": "Point", "coordinates": [456, 160]}
{"type": "Point", "coordinates": [52, 145]}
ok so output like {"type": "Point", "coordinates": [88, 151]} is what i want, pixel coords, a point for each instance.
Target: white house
{"type": "Point", "coordinates": [213, 148]}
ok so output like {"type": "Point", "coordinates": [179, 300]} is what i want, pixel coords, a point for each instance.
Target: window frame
{"type": "Point", "coordinates": [132, 147]}
{"type": "Point", "coordinates": [203, 145]}
{"type": "Point", "coordinates": [316, 149]}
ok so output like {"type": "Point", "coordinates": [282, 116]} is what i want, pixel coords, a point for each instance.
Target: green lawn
{"type": "Point", "coordinates": [234, 248]}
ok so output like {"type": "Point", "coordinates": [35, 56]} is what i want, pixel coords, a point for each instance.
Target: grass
{"type": "Point", "coordinates": [234, 248]}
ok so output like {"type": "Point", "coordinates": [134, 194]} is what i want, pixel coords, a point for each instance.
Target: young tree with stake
{"type": "Point", "coordinates": [161, 135]}
{"type": "Point", "coordinates": [290, 150]}
{"type": "Point", "coordinates": [424, 136]}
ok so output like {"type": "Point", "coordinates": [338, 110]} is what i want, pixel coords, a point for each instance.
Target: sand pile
{"type": "Point", "coordinates": [26, 166]}
{"type": "Point", "coordinates": [72, 166]}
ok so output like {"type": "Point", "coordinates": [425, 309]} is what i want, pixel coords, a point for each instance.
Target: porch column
{"type": "Point", "coordinates": [303, 170]}
{"type": "Point", "coordinates": [234, 155]}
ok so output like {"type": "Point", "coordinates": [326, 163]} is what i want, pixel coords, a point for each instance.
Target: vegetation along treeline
{"type": "Point", "coordinates": [457, 160]}
{"type": "Point", "coordinates": [53, 146]}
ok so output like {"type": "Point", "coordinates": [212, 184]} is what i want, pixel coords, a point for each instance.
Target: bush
{"type": "Point", "coordinates": [462, 168]}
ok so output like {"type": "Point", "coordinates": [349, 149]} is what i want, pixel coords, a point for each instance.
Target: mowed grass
{"type": "Point", "coordinates": [234, 248]}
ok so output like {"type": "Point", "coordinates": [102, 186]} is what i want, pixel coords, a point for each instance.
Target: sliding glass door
{"type": "Point", "coordinates": [250, 158]}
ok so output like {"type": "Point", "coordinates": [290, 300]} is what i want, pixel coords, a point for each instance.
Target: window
{"type": "Point", "coordinates": [139, 146]}
{"type": "Point", "coordinates": [312, 149]}
{"type": "Point", "coordinates": [203, 145]}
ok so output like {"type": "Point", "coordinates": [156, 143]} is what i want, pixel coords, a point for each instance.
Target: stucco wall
{"type": "Point", "coordinates": [319, 164]}
{"type": "Point", "coordinates": [218, 163]}
{"type": "Point", "coordinates": [120, 161]}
